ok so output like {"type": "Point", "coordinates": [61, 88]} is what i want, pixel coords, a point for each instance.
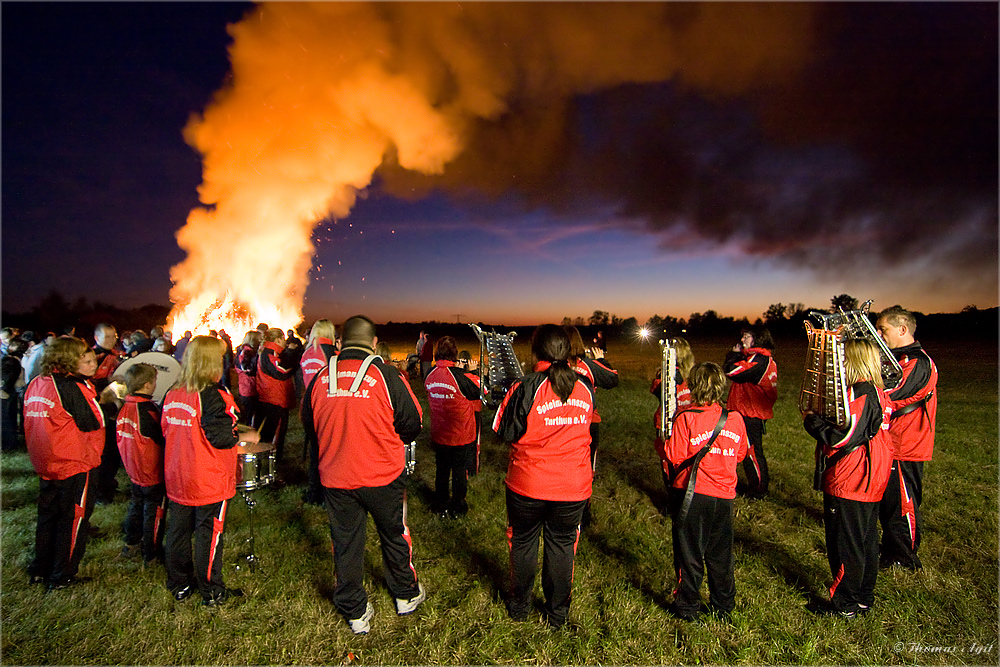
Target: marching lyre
{"type": "Point", "coordinates": [497, 357]}
{"type": "Point", "coordinates": [668, 386]}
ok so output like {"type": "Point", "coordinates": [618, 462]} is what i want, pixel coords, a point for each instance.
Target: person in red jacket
{"type": "Point", "coordinates": [319, 348]}
{"type": "Point", "coordinates": [140, 442]}
{"type": "Point", "coordinates": [108, 360]}
{"type": "Point", "coordinates": [200, 429]}
{"type": "Point", "coordinates": [914, 412]}
{"type": "Point", "coordinates": [364, 418]}
{"type": "Point", "coordinates": [546, 418]}
{"type": "Point", "coordinates": [701, 455]}
{"type": "Point", "coordinates": [682, 393]}
{"type": "Point", "coordinates": [852, 469]}
{"type": "Point", "coordinates": [64, 433]}
{"type": "Point", "coordinates": [275, 391]}
{"type": "Point", "coordinates": [592, 365]}
{"type": "Point", "coordinates": [454, 397]}
{"type": "Point", "coordinates": [246, 375]}
{"type": "Point", "coordinates": [751, 368]}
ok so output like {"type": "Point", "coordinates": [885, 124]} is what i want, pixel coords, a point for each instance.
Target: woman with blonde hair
{"type": "Point", "coordinates": [852, 470]}
{"type": "Point", "coordinates": [64, 430]}
{"type": "Point", "coordinates": [200, 428]}
{"type": "Point", "coordinates": [320, 347]}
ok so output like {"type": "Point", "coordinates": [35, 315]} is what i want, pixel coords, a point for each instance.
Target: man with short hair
{"type": "Point", "coordinates": [105, 339]}
{"type": "Point", "coordinates": [911, 430]}
{"type": "Point", "coordinates": [363, 413]}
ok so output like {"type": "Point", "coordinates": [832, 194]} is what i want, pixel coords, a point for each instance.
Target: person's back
{"type": "Point", "coordinates": [360, 434]}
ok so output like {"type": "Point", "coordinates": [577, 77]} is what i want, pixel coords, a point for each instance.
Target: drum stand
{"type": "Point", "coordinates": [251, 503]}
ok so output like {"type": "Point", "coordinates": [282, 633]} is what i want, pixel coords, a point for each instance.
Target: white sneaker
{"type": "Point", "coordinates": [404, 607]}
{"type": "Point", "coordinates": [361, 626]}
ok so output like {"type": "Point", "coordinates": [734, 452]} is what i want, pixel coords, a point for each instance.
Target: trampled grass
{"type": "Point", "coordinates": [946, 614]}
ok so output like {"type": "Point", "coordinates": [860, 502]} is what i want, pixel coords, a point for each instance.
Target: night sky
{"type": "Point", "coordinates": [826, 149]}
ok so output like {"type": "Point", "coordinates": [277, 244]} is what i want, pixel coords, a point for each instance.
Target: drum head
{"type": "Point", "coordinates": [255, 447]}
{"type": "Point", "coordinates": [168, 370]}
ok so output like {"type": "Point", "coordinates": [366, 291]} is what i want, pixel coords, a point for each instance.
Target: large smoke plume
{"type": "Point", "coordinates": [680, 114]}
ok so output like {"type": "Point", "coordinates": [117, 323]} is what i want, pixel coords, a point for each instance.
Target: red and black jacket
{"type": "Point", "coordinates": [275, 383]}
{"type": "Point", "coordinates": [454, 397]}
{"type": "Point", "coordinates": [914, 405]}
{"type": "Point", "coordinates": [549, 438]}
{"type": "Point", "coordinates": [199, 458]}
{"type": "Point", "coordinates": [681, 389]}
{"type": "Point", "coordinates": [246, 371]}
{"type": "Point", "coordinates": [600, 373]}
{"type": "Point", "coordinates": [362, 435]}
{"type": "Point", "coordinates": [63, 426]}
{"type": "Point", "coordinates": [315, 358]}
{"type": "Point", "coordinates": [854, 463]}
{"type": "Point", "coordinates": [754, 375]}
{"type": "Point", "coordinates": [140, 440]}
{"type": "Point", "coordinates": [692, 429]}
{"type": "Point", "coordinates": [107, 362]}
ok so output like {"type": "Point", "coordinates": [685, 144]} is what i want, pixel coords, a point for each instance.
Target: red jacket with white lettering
{"type": "Point", "coordinates": [63, 426]}
{"type": "Point", "coordinates": [717, 471]}
{"type": "Point", "coordinates": [600, 373]}
{"type": "Point", "coordinates": [199, 459]}
{"type": "Point", "coordinates": [912, 433]}
{"type": "Point", "coordinates": [361, 436]}
{"type": "Point", "coordinates": [858, 459]}
{"type": "Point", "coordinates": [140, 440]}
{"type": "Point", "coordinates": [275, 383]}
{"type": "Point", "coordinates": [315, 358]}
{"type": "Point", "coordinates": [453, 394]}
{"type": "Point", "coordinates": [755, 382]}
{"type": "Point", "coordinates": [549, 439]}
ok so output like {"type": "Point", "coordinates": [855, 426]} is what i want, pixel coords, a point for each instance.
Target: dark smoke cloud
{"type": "Point", "coordinates": [877, 144]}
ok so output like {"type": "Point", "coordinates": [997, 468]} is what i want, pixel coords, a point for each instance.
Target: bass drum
{"type": "Point", "coordinates": [168, 370]}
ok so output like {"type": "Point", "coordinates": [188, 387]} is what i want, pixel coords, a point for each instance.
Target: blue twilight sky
{"type": "Point", "coordinates": [869, 168]}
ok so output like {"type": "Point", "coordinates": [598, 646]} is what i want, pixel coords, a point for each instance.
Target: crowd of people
{"type": "Point", "coordinates": [360, 416]}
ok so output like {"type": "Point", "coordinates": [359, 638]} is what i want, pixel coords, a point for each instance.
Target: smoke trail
{"type": "Point", "coordinates": [322, 94]}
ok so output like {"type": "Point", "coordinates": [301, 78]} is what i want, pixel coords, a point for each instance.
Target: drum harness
{"type": "Point", "coordinates": [693, 462]}
{"type": "Point", "coordinates": [410, 450]}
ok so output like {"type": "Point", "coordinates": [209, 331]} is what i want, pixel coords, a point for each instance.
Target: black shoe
{"type": "Point", "coordinates": [516, 615]}
{"type": "Point", "coordinates": [828, 610]}
{"type": "Point", "coordinates": [131, 551]}
{"type": "Point", "coordinates": [37, 579]}
{"type": "Point", "coordinates": [222, 596]}
{"type": "Point", "coordinates": [686, 616]}
{"type": "Point", "coordinates": [67, 582]}
{"type": "Point", "coordinates": [184, 593]}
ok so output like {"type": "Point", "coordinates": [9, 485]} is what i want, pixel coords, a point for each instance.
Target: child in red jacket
{"type": "Point", "coordinates": [706, 445]}
{"type": "Point", "coordinates": [140, 442]}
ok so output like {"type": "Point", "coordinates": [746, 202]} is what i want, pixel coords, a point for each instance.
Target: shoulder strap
{"type": "Point", "coordinates": [695, 461]}
{"type": "Point", "coordinates": [359, 378]}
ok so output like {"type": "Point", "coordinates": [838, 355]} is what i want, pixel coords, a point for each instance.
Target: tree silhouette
{"type": "Point", "coordinates": [844, 302]}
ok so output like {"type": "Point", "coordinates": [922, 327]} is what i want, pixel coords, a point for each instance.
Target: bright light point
{"type": "Point", "coordinates": [644, 333]}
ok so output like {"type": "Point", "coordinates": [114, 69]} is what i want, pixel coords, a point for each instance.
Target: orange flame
{"type": "Point", "coordinates": [321, 93]}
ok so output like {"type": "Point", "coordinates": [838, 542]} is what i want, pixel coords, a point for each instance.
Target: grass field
{"type": "Point", "coordinates": [946, 614]}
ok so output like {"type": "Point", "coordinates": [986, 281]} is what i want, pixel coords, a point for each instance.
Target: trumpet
{"type": "Point", "coordinates": [668, 386]}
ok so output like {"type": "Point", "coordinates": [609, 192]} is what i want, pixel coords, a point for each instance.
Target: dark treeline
{"type": "Point", "coordinates": [784, 321]}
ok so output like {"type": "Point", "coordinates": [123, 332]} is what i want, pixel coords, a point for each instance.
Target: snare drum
{"type": "Point", "coordinates": [254, 465]}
